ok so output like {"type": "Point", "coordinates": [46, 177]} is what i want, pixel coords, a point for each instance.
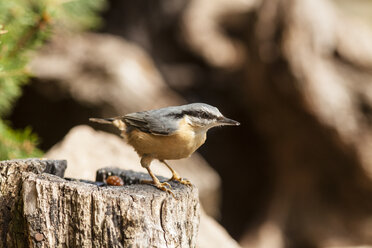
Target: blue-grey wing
{"type": "Point", "coordinates": [151, 122]}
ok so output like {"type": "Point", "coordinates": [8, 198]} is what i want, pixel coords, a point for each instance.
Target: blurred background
{"type": "Point", "coordinates": [297, 75]}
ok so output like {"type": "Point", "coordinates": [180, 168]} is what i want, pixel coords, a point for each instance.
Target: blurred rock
{"type": "Point", "coordinates": [307, 86]}
{"type": "Point", "coordinates": [201, 23]}
{"type": "Point", "coordinates": [212, 234]}
{"type": "Point", "coordinates": [101, 70]}
{"type": "Point", "coordinates": [333, 71]}
{"type": "Point", "coordinates": [267, 236]}
{"type": "Point", "coordinates": [87, 150]}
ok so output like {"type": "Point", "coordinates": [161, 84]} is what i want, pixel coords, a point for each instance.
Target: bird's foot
{"type": "Point", "coordinates": [180, 180]}
{"type": "Point", "coordinates": [162, 186]}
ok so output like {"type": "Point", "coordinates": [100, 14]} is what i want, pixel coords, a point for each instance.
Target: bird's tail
{"type": "Point", "coordinates": [102, 120]}
{"type": "Point", "coordinates": [116, 121]}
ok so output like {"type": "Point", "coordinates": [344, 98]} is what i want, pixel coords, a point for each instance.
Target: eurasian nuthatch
{"type": "Point", "coordinates": [168, 133]}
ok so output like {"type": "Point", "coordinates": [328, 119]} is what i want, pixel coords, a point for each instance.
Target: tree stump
{"type": "Point", "coordinates": [44, 210]}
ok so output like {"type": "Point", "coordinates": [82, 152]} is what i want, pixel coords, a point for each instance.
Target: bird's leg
{"type": "Point", "coordinates": [175, 176]}
{"type": "Point", "coordinates": [145, 162]}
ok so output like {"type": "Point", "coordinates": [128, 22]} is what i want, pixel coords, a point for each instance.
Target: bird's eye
{"type": "Point", "coordinates": [204, 115]}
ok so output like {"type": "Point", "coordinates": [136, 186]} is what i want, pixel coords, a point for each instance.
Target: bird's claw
{"type": "Point", "coordinates": [181, 180]}
{"type": "Point", "coordinates": [165, 184]}
{"type": "Point", "coordinates": [162, 186]}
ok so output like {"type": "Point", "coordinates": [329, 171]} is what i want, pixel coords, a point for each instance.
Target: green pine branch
{"type": "Point", "coordinates": [24, 26]}
{"type": "Point", "coordinates": [17, 143]}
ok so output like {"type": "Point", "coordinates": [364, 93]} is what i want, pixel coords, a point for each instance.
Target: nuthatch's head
{"type": "Point", "coordinates": [203, 116]}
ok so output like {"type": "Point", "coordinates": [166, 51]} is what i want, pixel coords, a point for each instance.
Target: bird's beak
{"type": "Point", "coordinates": [228, 122]}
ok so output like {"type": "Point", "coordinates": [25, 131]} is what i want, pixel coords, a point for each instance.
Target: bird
{"type": "Point", "coordinates": [168, 133]}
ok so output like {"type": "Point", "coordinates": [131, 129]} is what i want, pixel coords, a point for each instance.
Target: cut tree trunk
{"type": "Point", "coordinates": [44, 210]}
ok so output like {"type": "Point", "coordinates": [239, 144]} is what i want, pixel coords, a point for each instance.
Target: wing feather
{"type": "Point", "coordinates": [152, 123]}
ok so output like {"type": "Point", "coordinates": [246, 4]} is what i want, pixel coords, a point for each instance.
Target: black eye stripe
{"type": "Point", "coordinates": [198, 114]}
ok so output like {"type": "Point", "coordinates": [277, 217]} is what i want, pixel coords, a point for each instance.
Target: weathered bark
{"type": "Point", "coordinates": [48, 211]}
{"type": "Point", "coordinates": [11, 222]}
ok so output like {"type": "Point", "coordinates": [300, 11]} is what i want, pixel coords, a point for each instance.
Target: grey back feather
{"type": "Point", "coordinates": [152, 121]}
